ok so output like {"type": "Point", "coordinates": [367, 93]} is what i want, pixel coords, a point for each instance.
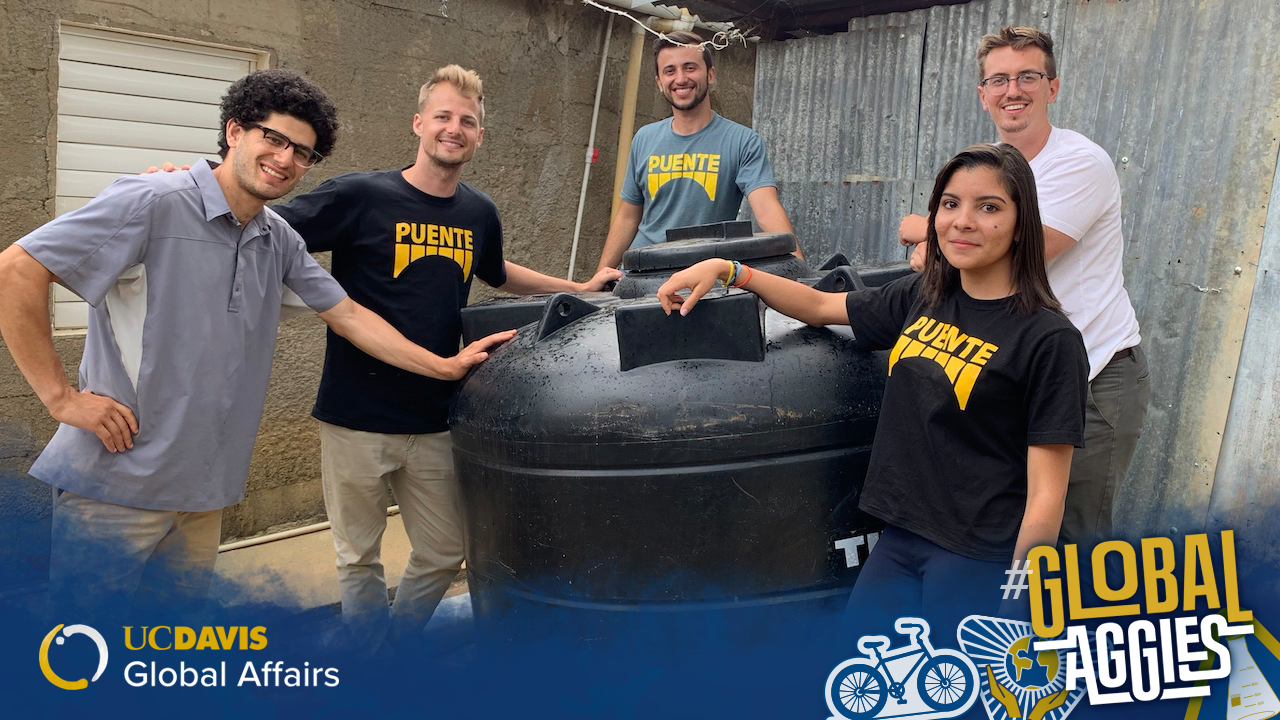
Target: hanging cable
{"type": "Point", "coordinates": [719, 41]}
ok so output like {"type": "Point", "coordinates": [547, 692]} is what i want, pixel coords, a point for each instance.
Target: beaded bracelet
{"type": "Point", "coordinates": [734, 268]}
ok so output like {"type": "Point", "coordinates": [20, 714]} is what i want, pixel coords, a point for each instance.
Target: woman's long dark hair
{"type": "Point", "coordinates": [1030, 279]}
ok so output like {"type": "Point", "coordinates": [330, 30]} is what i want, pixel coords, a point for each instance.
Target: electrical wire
{"type": "Point", "coordinates": [718, 41]}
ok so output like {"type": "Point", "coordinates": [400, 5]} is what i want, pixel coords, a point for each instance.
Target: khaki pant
{"type": "Point", "coordinates": [106, 560]}
{"type": "Point", "coordinates": [356, 468]}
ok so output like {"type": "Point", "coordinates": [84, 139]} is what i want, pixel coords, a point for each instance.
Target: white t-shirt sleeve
{"type": "Point", "coordinates": [1075, 192]}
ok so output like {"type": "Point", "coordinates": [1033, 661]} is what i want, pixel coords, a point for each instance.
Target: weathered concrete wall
{"type": "Point", "coordinates": [539, 60]}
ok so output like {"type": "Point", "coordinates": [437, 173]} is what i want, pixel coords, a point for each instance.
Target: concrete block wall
{"type": "Point", "coordinates": [539, 60]}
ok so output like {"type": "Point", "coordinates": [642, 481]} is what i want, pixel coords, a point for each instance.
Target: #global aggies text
{"type": "Point", "coordinates": [1144, 659]}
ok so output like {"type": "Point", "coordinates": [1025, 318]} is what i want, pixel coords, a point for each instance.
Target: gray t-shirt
{"type": "Point", "coordinates": [186, 304]}
{"type": "Point", "coordinates": [693, 179]}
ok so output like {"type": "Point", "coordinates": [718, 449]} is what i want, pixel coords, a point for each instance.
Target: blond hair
{"type": "Point", "coordinates": [1018, 38]}
{"type": "Point", "coordinates": [466, 82]}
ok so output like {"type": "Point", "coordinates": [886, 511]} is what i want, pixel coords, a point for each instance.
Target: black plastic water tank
{"type": "Point", "coordinates": [617, 462]}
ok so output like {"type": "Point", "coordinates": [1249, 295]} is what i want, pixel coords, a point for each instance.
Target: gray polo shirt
{"type": "Point", "coordinates": [186, 304]}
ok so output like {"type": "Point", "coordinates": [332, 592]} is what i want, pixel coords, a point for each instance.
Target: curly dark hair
{"type": "Point", "coordinates": [255, 96]}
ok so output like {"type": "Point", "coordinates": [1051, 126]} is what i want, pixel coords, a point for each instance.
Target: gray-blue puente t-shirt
{"type": "Point", "coordinates": [693, 179]}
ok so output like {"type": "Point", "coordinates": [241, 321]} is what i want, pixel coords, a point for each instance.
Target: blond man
{"type": "Point", "coordinates": [407, 243]}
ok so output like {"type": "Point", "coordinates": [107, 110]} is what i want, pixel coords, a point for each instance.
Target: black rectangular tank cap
{"type": "Point", "coordinates": [724, 327]}
{"type": "Point", "coordinates": [720, 231]}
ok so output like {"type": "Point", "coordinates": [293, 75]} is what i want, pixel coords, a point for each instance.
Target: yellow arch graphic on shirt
{"type": "Point", "coordinates": [414, 241]}
{"type": "Point", "coordinates": [960, 373]}
{"type": "Point", "coordinates": [702, 168]}
{"type": "Point", "coordinates": [708, 182]}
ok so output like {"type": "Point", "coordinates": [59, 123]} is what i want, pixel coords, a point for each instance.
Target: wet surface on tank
{"type": "Point", "coordinates": [616, 462]}
{"type": "Point", "coordinates": [586, 481]}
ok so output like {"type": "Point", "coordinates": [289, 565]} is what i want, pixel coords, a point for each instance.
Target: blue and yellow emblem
{"type": "Point", "coordinates": [1016, 681]}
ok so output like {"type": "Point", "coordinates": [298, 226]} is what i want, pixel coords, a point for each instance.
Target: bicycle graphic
{"type": "Point", "coordinates": [913, 680]}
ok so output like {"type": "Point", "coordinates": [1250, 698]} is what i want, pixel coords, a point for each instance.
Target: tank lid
{"type": "Point", "coordinates": [680, 254]}
{"type": "Point", "coordinates": [717, 231]}
{"type": "Point", "coordinates": [728, 325]}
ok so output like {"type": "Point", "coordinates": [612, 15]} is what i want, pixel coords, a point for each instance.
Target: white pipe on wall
{"type": "Point", "coordinates": [635, 61]}
{"type": "Point", "coordinates": [591, 146]}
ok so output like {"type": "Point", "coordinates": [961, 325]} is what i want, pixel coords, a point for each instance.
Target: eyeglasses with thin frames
{"type": "Point", "coordinates": [1028, 81]}
{"type": "Point", "coordinates": [303, 156]}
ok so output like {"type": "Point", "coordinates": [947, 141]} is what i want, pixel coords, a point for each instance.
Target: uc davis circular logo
{"type": "Point", "coordinates": [67, 632]}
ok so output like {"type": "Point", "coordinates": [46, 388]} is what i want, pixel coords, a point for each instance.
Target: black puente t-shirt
{"type": "Point", "coordinates": [971, 384]}
{"type": "Point", "coordinates": [409, 257]}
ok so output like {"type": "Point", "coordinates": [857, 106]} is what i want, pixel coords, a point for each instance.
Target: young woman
{"type": "Point", "coordinates": [984, 402]}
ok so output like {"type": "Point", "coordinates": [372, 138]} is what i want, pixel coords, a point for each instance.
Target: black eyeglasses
{"type": "Point", "coordinates": [303, 156]}
{"type": "Point", "coordinates": [1028, 80]}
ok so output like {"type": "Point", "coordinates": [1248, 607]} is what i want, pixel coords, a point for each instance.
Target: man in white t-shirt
{"type": "Point", "coordinates": [1079, 196]}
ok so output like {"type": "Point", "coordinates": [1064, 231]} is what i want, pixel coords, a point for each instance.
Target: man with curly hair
{"type": "Point", "coordinates": [184, 273]}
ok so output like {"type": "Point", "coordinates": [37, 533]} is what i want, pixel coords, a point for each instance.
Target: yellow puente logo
{"type": "Point", "coordinates": [68, 631]}
{"type": "Point", "coordinates": [961, 356]}
{"type": "Point", "coordinates": [702, 168]}
{"type": "Point", "coordinates": [415, 241]}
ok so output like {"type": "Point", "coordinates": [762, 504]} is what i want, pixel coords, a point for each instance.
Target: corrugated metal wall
{"type": "Point", "coordinates": [1186, 99]}
{"type": "Point", "coordinates": [1246, 489]}
{"type": "Point", "coordinates": [839, 114]}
